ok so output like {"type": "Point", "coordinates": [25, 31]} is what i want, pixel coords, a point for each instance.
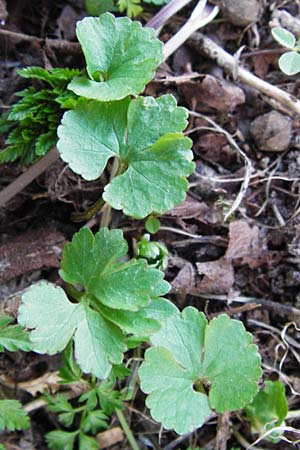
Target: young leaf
{"type": "Point", "coordinates": [70, 370]}
{"type": "Point", "coordinates": [58, 439]}
{"type": "Point", "coordinates": [121, 57]}
{"type": "Point", "coordinates": [92, 262]}
{"type": "Point", "coordinates": [268, 409]}
{"type": "Point", "coordinates": [13, 337]}
{"type": "Point", "coordinates": [87, 442]}
{"type": "Point", "coordinates": [189, 353]}
{"type": "Point", "coordinates": [289, 63]}
{"type": "Point", "coordinates": [13, 416]}
{"type": "Point", "coordinates": [132, 7]}
{"type": "Point", "coordinates": [145, 135]}
{"type": "Point", "coordinates": [94, 421]}
{"type": "Point", "coordinates": [97, 7]}
{"type": "Point", "coordinates": [59, 404]}
{"type": "Point", "coordinates": [284, 37]}
{"type": "Point", "coordinates": [54, 319]}
{"type": "Point", "coordinates": [152, 224]}
{"type": "Point", "coordinates": [109, 399]}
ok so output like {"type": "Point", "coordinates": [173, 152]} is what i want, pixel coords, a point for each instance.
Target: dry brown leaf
{"type": "Point", "coordinates": [211, 94]}
{"type": "Point", "coordinates": [184, 281]}
{"type": "Point", "coordinates": [218, 276]}
{"type": "Point", "coordinates": [47, 382]}
{"type": "Point", "coordinates": [245, 244]}
{"type": "Point", "coordinates": [190, 209]}
{"type": "Point", "coordinates": [110, 437]}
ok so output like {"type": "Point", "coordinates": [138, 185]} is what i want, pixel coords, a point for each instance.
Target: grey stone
{"type": "Point", "coordinates": [272, 132]}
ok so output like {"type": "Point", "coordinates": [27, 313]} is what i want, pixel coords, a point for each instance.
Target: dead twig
{"type": "Point", "coordinates": [27, 177]}
{"type": "Point", "coordinates": [203, 44]}
{"type": "Point", "coordinates": [55, 44]}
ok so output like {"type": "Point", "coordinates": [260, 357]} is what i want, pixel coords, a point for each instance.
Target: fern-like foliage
{"type": "Point", "coordinates": [31, 123]}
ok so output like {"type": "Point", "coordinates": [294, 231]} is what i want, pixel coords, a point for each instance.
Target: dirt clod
{"type": "Point", "coordinates": [242, 12]}
{"type": "Point", "coordinates": [272, 132]}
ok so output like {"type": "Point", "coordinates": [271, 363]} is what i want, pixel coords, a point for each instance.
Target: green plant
{"type": "Point", "coordinates": [132, 8]}
{"type": "Point", "coordinates": [155, 253]}
{"type": "Point", "coordinates": [109, 312]}
{"type": "Point", "coordinates": [109, 304]}
{"type": "Point", "coordinates": [88, 417]}
{"type": "Point", "coordinates": [143, 135]}
{"type": "Point", "coordinates": [268, 410]}
{"type": "Point", "coordinates": [289, 62]}
{"type": "Point", "coordinates": [106, 307]}
{"type": "Point", "coordinates": [198, 367]}
{"type": "Point", "coordinates": [117, 66]}
{"type": "Point", "coordinates": [32, 122]}
{"type": "Point", "coordinates": [13, 338]}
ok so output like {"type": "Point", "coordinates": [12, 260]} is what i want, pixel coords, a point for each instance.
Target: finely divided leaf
{"type": "Point", "coordinates": [121, 57]}
{"type": "Point", "coordinates": [93, 263]}
{"type": "Point", "coordinates": [13, 416]}
{"type": "Point", "coordinates": [13, 337]}
{"type": "Point", "coordinates": [145, 135]}
{"type": "Point", "coordinates": [59, 439]}
{"type": "Point", "coordinates": [189, 355]}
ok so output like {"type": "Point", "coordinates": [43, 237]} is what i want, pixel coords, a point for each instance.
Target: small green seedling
{"type": "Point", "coordinates": [152, 224]}
{"type": "Point", "coordinates": [32, 122]}
{"type": "Point", "coordinates": [268, 410]}
{"type": "Point", "coordinates": [289, 62]}
{"type": "Point", "coordinates": [155, 253]}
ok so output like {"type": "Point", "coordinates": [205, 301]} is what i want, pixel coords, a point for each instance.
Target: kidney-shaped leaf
{"type": "Point", "coordinates": [188, 355]}
{"type": "Point", "coordinates": [145, 135]}
{"type": "Point", "coordinates": [121, 57]}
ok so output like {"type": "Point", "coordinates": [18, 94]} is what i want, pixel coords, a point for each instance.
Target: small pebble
{"type": "Point", "coordinates": [272, 132]}
{"type": "Point", "coordinates": [242, 12]}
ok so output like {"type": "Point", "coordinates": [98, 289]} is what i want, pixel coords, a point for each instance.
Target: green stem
{"type": "Point", "coordinates": [89, 213]}
{"type": "Point", "coordinates": [73, 292]}
{"type": "Point", "coordinates": [127, 430]}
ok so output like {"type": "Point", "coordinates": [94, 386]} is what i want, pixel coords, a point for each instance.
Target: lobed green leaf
{"type": "Point", "coordinates": [145, 135]}
{"type": "Point", "coordinates": [188, 356]}
{"type": "Point", "coordinates": [121, 57]}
